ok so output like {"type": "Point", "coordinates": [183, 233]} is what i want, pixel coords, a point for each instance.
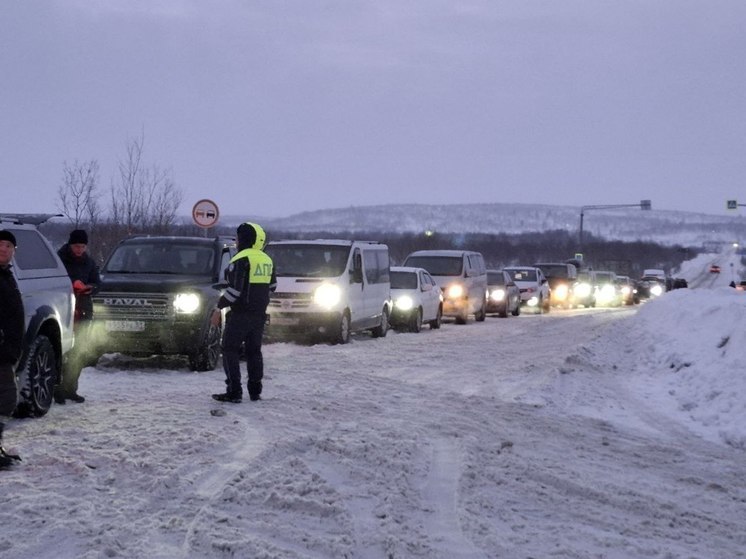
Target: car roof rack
{"type": "Point", "coordinates": [31, 219]}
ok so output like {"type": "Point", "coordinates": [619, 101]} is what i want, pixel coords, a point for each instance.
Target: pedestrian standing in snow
{"type": "Point", "coordinates": [84, 275]}
{"type": "Point", "coordinates": [250, 278]}
{"type": "Point", "coordinates": [12, 327]}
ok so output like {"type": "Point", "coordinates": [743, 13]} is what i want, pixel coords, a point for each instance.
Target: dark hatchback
{"type": "Point", "coordinates": [156, 297]}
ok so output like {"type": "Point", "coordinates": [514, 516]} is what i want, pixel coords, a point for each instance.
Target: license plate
{"type": "Point", "coordinates": [284, 321]}
{"type": "Point", "coordinates": [125, 325]}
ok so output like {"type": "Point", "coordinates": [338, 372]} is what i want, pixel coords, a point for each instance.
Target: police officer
{"type": "Point", "coordinates": [250, 279]}
{"type": "Point", "coordinates": [12, 327]}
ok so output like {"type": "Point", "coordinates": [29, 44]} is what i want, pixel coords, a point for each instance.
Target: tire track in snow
{"type": "Point", "coordinates": [441, 491]}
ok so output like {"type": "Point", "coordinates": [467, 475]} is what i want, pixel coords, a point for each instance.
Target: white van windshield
{"type": "Point", "coordinates": [308, 261]}
{"type": "Point", "coordinates": [437, 265]}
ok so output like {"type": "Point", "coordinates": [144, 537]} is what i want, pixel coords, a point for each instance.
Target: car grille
{"type": "Point", "coordinates": [287, 301]}
{"type": "Point", "coordinates": [151, 306]}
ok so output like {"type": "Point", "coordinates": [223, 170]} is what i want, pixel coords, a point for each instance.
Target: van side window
{"type": "Point", "coordinates": [376, 265]}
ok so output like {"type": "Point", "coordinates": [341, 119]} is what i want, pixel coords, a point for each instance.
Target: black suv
{"type": "Point", "coordinates": [49, 305]}
{"type": "Point", "coordinates": [156, 297]}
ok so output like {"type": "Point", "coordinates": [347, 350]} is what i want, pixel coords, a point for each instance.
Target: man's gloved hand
{"type": "Point", "coordinates": [80, 288]}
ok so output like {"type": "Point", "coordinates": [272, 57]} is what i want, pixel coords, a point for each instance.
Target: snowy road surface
{"type": "Point", "coordinates": [535, 436]}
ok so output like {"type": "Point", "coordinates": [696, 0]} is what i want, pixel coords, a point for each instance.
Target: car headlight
{"type": "Point", "coordinates": [455, 291]}
{"type": "Point", "coordinates": [583, 290]}
{"type": "Point", "coordinates": [497, 294]}
{"type": "Point", "coordinates": [327, 295]}
{"type": "Point", "coordinates": [532, 301]}
{"type": "Point", "coordinates": [187, 303]}
{"type": "Point", "coordinates": [626, 290]}
{"type": "Point", "coordinates": [656, 290]}
{"type": "Point", "coordinates": [561, 291]}
{"type": "Point", "coordinates": [404, 303]}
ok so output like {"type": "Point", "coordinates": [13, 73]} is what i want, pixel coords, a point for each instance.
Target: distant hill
{"type": "Point", "coordinates": [628, 224]}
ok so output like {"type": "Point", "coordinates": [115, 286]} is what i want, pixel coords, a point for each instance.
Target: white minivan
{"type": "Point", "coordinates": [462, 276]}
{"type": "Point", "coordinates": [329, 288]}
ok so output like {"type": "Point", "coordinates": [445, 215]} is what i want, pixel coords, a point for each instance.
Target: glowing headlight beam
{"type": "Point", "coordinates": [186, 303]}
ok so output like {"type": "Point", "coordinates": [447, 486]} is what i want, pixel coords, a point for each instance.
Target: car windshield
{"type": "Point", "coordinates": [162, 258]}
{"type": "Point", "coordinates": [522, 275]}
{"type": "Point", "coordinates": [403, 280]}
{"type": "Point", "coordinates": [437, 265]}
{"type": "Point", "coordinates": [554, 270]}
{"type": "Point", "coordinates": [495, 278]}
{"type": "Point", "coordinates": [309, 261]}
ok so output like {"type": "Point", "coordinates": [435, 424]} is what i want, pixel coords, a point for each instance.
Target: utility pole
{"type": "Point", "coordinates": [643, 205]}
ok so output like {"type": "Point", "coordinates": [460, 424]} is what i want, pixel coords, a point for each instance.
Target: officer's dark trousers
{"type": "Point", "coordinates": [8, 390]}
{"type": "Point", "coordinates": [242, 329]}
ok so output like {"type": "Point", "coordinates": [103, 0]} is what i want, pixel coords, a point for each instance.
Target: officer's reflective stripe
{"type": "Point", "coordinates": [261, 265]}
{"type": "Point", "coordinates": [231, 294]}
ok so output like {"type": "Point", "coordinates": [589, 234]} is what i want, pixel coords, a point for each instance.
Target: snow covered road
{"type": "Point", "coordinates": [522, 437]}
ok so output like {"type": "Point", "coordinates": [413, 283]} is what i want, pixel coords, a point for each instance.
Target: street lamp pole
{"type": "Point", "coordinates": [643, 205]}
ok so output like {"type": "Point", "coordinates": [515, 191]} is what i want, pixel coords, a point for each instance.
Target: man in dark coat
{"type": "Point", "coordinates": [84, 275]}
{"type": "Point", "coordinates": [250, 279]}
{"type": "Point", "coordinates": [12, 328]}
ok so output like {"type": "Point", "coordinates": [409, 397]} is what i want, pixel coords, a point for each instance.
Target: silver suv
{"type": "Point", "coordinates": [49, 308]}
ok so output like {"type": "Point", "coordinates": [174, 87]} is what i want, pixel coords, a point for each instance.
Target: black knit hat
{"type": "Point", "coordinates": [78, 237]}
{"type": "Point", "coordinates": [6, 235]}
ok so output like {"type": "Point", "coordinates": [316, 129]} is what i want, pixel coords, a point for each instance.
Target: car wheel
{"type": "Point", "coordinates": [481, 314]}
{"type": "Point", "coordinates": [381, 330]}
{"type": "Point", "coordinates": [342, 335]}
{"type": "Point", "coordinates": [208, 354]}
{"type": "Point", "coordinates": [438, 320]}
{"type": "Point", "coordinates": [37, 378]}
{"type": "Point", "coordinates": [517, 310]}
{"type": "Point", "coordinates": [415, 324]}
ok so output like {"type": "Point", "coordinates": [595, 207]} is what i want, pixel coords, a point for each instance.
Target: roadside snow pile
{"type": "Point", "coordinates": [687, 349]}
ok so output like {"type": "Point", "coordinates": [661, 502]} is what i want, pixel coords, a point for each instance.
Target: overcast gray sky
{"type": "Point", "coordinates": [276, 107]}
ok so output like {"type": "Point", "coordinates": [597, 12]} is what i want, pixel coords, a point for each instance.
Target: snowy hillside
{"type": "Point", "coordinates": [662, 226]}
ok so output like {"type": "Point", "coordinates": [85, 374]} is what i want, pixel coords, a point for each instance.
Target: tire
{"type": "Point", "coordinates": [38, 376]}
{"type": "Point", "coordinates": [438, 320]}
{"type": "Point", "coordinates": [481, 314]}
{"type": "Point", "coordinates": [415, 324]}
{"type": "Point", "coordinates": [342, 334]}
{"type": "Point", "coordinates": [382, 329]}
{"type": "Point", "coordinates": [504, 312]}
{"type": "Point", "coordinates": [207, 356]}
{"type": "Point", "coordinates": [517, 311]}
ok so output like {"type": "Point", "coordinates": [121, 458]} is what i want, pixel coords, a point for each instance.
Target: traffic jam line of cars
{"type": "Point", "coordinates": [157, 293]}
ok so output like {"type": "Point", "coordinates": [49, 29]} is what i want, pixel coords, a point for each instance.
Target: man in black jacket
{"type": "Point", "coordinates": [250, 279]}
{"type": "Point", "coordinates": [84, 275]}
{"type": "Point", "coordinates": [12, 327]}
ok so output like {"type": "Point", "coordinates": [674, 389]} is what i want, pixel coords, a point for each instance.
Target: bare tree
{"type": "Point", "coordinates": [145, 198]}
{"type": "Point", "coordinates": [78, 195]}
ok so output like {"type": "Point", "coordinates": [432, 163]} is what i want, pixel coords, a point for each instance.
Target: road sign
{"type": "Point", "coordinates": [205, 213]}
{"type": "Point", "coordinates": [645, 204]}
{"type": "Point", "coordinates": [731, 204]}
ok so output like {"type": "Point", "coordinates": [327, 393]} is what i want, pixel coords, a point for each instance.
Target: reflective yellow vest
{"type": "Point", "coordinates": [261, 265]}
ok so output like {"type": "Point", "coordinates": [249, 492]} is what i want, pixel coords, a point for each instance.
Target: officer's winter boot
{"type": "Point", "coordinates": [6, 460]}
{"type": "Point", "coordinates": [255, 390]}
{"type": "Point", "coordinates": [226, 397]}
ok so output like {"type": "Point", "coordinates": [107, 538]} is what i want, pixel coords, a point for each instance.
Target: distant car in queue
{"type": "Point", "coordinates": [503, 295]}
{"type": "Point", "coordinates": [607, 293]}
{"type": "Point", "coordinates": [649, 287]}
{"type": "Point", "coordinates": [533, 285]}
{"type": "Point", "coordinates": [627, 290]}
{"type": "Point", "coordinates": [561, 277]}
{"type": "Point", "coordinates": [584, 290]}
{"type": "Point", "coordinates": [417, 299]}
